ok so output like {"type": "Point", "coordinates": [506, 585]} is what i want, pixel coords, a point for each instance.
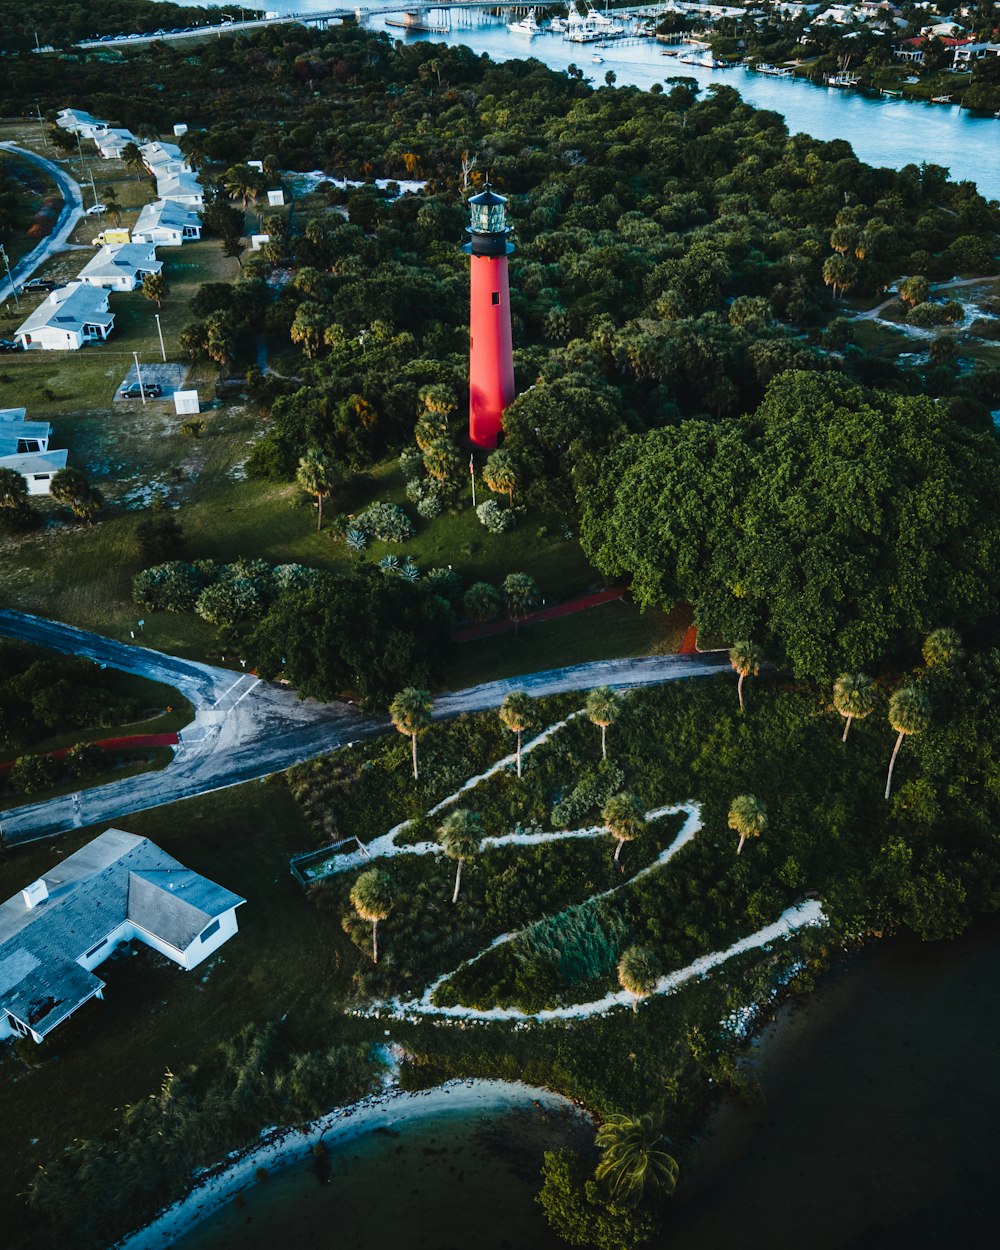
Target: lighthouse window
{"type": "Point", "coordinates": [496, 297]}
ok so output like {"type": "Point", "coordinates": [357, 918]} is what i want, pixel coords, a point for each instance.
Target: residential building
{"type": "Point", "coordinates": [113, 143]}
{"type": "Point", "coordinates": [117, 888]}
{"type": "Point", "coordinates": [121, 266]}
{"type": "Point", "coordinates": [37, 469]}
{"type": "Point", "coordinates": [167, 223]}
{"type": "Point", "coordinates": [24, 447]}
{"type": "Point", "coordinates": [164, 158]}
{"type": "Point", "coordinates": [182, 187]}
{"type": "Point", "coordinates": [968, 53]}
{"type": "Point", "coordinates": [76, 121]}
{"type": "Point", "coordinates": [68, 318]}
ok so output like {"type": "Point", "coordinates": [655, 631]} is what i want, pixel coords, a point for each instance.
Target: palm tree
{"type": "Point", "coordinates": [132, 160]}
{"type": "Point", "coordinates": [154, 287]}
{"type": "Point", "coordinates": [748, 816]}
{"type": "Point", "coordinates": [518, 713]}
{"type": "Point", "coordinates": [854, 695]}
{"type": "Point", "coordinates": [638, 973]}
{"type": "Point", "coordinates": [70, 486]}
{"type": "Point", "coordinates": [111, 199]}
{"type": "Point", "coordinates": [317, 475]}
{"type": "Point", "coordinates": [13, 489]}
{"type": "Point", "coordinates": [522, 597]}
{"type": "Point", "coordinates": [410, 711]}
{"type": "Point", "coordinates": [909, 713]}
{"type": "Point", "coordinates": [481, 603]}
{"type": "Point", "coordinates": [633, 1159]}
{"type": "Point", "coordinates": [461, 835]}
{"type": "Point", "coordinates": [242, 183]}
{"type": "Point", "coordinates": [500, 475]}
{"type": "Point", "coordinates": [943, 646]}
{"type": "Point", "coordinates": [603, 708]}
{"type": "Point", "coordinates": [625, 819]}
{"type": "Point", "coordinates": [373, 896]}
{"type": "Point", "coordinates": [746, 658]}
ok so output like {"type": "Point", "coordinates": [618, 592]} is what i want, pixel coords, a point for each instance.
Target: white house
{"type": "Point", "coordinates": [76, 121]}
{"type": "Point", "coordinates": [167, 223]}
{"type": "Point", "coordinates": [182, 187]}
{"type": "Point", "coordinates": [24, 447]}
{"type": "Point", "coordinates": [37, 468]}
{"type": "Point", "coordinates": [113, 143]}
{"type": "Point", "coordinates": [118, 888]}
{"type": "Point", "coordinates": [67, 319]}
{"type": "Point", "coordinates": [121, 266]}
{"type": "Point", "coordinates": [967, 53]}
{"type": "Point", "coordinates": [164, 158]}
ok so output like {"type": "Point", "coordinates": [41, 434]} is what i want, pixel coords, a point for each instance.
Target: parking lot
{"type": "Point", "coordinates": [169, 377]}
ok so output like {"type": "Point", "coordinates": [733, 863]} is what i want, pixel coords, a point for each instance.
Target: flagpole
{"type": "Point", "coordinates": [472, 475]}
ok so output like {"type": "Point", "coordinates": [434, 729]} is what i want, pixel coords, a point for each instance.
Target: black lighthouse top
{"type": "Point", "coordinates": [487, 228]}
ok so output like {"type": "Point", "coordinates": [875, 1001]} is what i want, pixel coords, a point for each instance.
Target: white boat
{"type": "Point", "coordinates": [526, 26]}
{"type": "Point", "coordinates": [598, 59]}
{"type": "Point", "coordinates": [558, 25]}
{"type": "Point", "coordinates": [704, 59]}
{"type": "Point", "coordinates": [773, 71]}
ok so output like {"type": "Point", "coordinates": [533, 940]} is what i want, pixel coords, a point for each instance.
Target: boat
{"type": "Point", "coordinates": [941, 99]}
{"type": "Point", "coordinates": [773, 71]}
{"type": "Point", "coordinates": [557, 25]}
{"type": "Point", "coordinates": [526, 26]}
{"type": "Point", "coordinates": [842, 80]}
{"type": "Point", "coordinates": [704, 59]}
{"type": "Point", "coordinates": [599, 59]}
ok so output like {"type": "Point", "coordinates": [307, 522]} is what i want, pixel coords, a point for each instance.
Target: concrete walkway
{"type": "Point", "coordinates": [245, 729]}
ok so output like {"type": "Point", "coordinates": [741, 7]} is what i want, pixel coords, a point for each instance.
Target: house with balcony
{"type": "Point", "coordinates": [116, 889]}
{"type": "Point", "coordinates": [67, 319]}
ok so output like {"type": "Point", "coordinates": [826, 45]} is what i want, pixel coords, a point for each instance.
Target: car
{"type": "Point", "coordinates": [132, 390]}
{"type": "Point", "coordinates": [96, 209]}
{"type": "Point", "coordinates": [36, 284]}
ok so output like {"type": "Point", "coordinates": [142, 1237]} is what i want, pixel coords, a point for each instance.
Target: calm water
{"type": "Point", "coordinates": [881, 131]}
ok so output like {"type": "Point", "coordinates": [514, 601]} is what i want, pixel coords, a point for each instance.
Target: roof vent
{"type": "Point", "coordinates": [35, 893]}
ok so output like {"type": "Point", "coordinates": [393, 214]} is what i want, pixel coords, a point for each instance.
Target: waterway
{"type": "Point", "coordinates": [883, 131]}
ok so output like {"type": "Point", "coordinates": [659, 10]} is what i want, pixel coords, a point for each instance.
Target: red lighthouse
{"type": "Point", "coordinates": [491, 361]}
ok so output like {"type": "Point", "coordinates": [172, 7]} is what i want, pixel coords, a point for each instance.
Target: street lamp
{"type": "Point", "coordinates": [13, 289]}
{"type": "Point", "coordinates": [159, 331]}
{"type": "Point", "coordinates": [138, 374]}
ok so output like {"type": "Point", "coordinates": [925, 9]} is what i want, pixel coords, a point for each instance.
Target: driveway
{"type": "Point", "coordinates": [245, 729]}
{"type": "Point", "coordinates": [71, 213]}
{"type": "Point", "coordinates": [169, 376]}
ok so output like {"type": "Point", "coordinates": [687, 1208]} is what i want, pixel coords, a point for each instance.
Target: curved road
{"type": "Point", "coordinates": [245, 728]}
{"type": "Point", "coordinates": [71, 213]}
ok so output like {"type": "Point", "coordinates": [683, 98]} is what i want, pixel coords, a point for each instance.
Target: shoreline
{"type": "Point", "coordinates": [278, 1148]}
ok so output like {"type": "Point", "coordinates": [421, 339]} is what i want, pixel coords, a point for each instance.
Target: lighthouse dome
{"type": "Point", "coordinates": [487, 212]}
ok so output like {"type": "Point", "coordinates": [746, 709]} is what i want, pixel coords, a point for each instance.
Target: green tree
{"type": "Point", "coordinates": [914, 290]}
{"type": "Point", "coordinates": [410, 712]}
{"type": "Point", "coordinates": [942, 647]}
{"type": "Point", "coordinates": [481, 603]}
{"type": "Point", "coordinates": [634, 1164]}
{"type": "Point", "coordinates": [854, 695]}
{"type": "Point", "coordinates": [747, 817]}
{"type": "Point", "coordinates": [519, 713]}
{"type": "Point", "coordinates": [243, 184]}
{"type": "Point", "coordinates": [909, 713]}
{"type": "Point", "coordinates": [13, 489]}
{"type": "Point", "coordinates": [603, 708]}
{"type": "Point", "coordinates": [373, 896]}
{"type": "Point", "coordinates": [638, 973]}
{"type": "Point", "coordinates": [318, 475]}
{"type": "Point", "coordinates": [521, 595]}
{"type": "Point", "coordinates": [500, 474]}
{"type": "Point", "coordinates": [579, 1210]}
{"type": "Point", "coordinates": [624, 819]}
{"type": "Point", "coordinates": [746, 659]}
{"type": "Point", "coordinates": [132, 160]}
{"type": "Point", "coordinates": [461, 836]}
{"type": "Point", "coordinates": [70, 486]}
{"type": "Point", "coordinates": [155, 288]}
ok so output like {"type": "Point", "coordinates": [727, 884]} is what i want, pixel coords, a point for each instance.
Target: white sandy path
{"type": "Point", "coordinates": [281, 1147]}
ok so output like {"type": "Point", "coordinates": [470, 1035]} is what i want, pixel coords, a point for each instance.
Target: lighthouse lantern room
{"type": "Point", "coordinates": [491, 360]}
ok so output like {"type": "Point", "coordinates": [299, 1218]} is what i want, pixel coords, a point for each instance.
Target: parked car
{"type": "Point", "coordinates": [95, 209]}
{"type": "Point", "coordinates": [36, 284]}
{"type": "Point", "coordinates": [132, 390]}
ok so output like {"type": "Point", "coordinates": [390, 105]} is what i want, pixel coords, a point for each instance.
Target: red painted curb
{"type": "Point", "coordinates": [136, 742]}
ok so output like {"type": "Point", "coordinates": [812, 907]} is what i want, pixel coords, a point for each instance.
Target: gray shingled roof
{"type": "Point", "coordinates": [116, 877]}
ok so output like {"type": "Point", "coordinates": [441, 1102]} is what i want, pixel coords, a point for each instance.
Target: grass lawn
{"type": "Point", "coordinates": [288, 957]}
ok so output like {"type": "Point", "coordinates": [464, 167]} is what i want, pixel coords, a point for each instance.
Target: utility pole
{"type": "Point", "coordinates": [138, 374]}
{"type": "Point", "coordinates": [13, 289]}
{"type": "Point", "coordinates": [159, 331]}
{"type": "Point", "coordinates": [41, 126]}
{"type": "Point", "coordinates": [94, 190]}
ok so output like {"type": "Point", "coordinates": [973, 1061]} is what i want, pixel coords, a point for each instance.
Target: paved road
{"type": "Point", "coordinates": [246, 729]}
{"type": "Point", "coordinates": [71, 213]}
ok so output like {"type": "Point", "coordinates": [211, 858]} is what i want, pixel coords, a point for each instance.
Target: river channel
{"type": "Point", "coordinates": [882, 131]}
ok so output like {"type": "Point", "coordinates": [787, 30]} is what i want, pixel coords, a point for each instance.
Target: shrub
{"type": "Point", "coordinates": [33, 773]}
{"type": "Point", "coordinates": [410, 462]}
{"type": "Point", "coordinates": [384, 521]}
{"type": "Point", "coordinates": [85, 760]}
{"type": "Point", "coordinates": [171, 587]}
{"type": "Point", "coordinates": [356, 539]}
{"type": "Point", "coordinates": [496, 519]}
{"type": "Point", "coordinates": [583, 942]}
{"type": "Point", "coordinates": [591, 792]}
{"type": "Point", "coordinates": [430, 505]}
{"type": "Point", "coordinates": [936, 314]}
{"type": "Point", "coordinates": [445, 582]}
{"type": "Point", "coordinates": [232, 600]}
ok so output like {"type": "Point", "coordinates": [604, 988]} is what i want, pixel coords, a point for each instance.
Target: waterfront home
{"type": "Point", "coordinates": [968, 53]}
{"type": "Point", "coordinates": [913, 49]}
{"type": "Point", "coordinates": [117, 888]}
{"type": "Point", "coordinates": [121, 266]}
{"type": "Point", "coordinates": [167, 223]}
{"type": "Point", "coordinates": [68, 318]}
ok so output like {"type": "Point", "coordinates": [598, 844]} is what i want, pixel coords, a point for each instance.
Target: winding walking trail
{"type": "Point", "coordinates": [58, 240]}
{"type": "Point", "coordinates": [245, 728]}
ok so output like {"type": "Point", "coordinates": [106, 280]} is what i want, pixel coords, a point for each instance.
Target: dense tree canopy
{"type": "Point", "coordinates": [835, 522]}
